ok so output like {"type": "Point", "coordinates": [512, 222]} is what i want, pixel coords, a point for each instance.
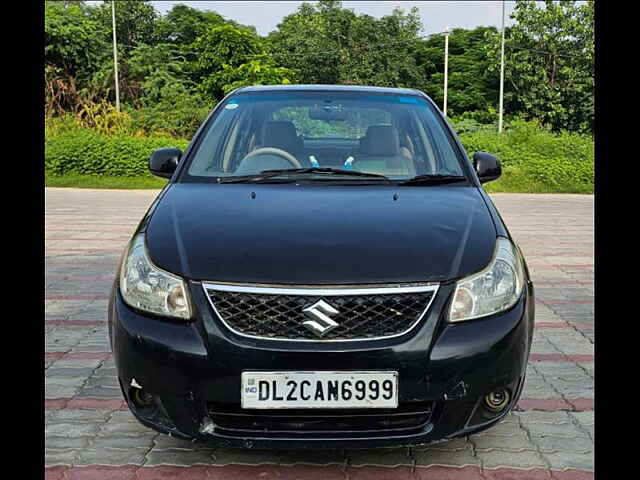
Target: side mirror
{"type": "Point", "coordinates": [487, 166]}
{"type": "Point", "coordinates": [163, 162]}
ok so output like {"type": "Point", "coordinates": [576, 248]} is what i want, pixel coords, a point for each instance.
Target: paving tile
{"type": "Point", "coordinates": [387, 456]}
{"type": "Point", "coordinates": [564, 460]}
{"type": "Point", "coordinates": [70, 429]}
{"type": "Point", "coordinates": [439, 457]}
{"type": "Point", "coordinates": [505, 443]}
{"type": "Point", "coordinates": [123, 442]}
{"type": "Point", "coordinates": [583, 418]}
{"type": "Point", "coordinates": [66, 443]}
{"type": "Point", "coordinates": [80, 416]}
{"type": "Point", "coordinates": [108, 456]}
{"type": "Point", "coordinates": [59, 457]}
{"type": "Point", "coordinates": [523, 459]}
{"type": "Point", "coordinates": [179, 457]}
{"type": "Point", "coordinates": [306, 457]}
{"type": "Point", "coordinates": [552, 444]}
{"type": "Point", "coordinates": [556, 234]}
{"type": "Point", "coordinates": [450, 445]}
{"type": "Point", "coordinates": [553, 418]}
{"type": "Point", "coordinates": [563, 431]}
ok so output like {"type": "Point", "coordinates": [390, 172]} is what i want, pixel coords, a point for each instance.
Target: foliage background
{"type": "Point", "coordinates": [174, 68]}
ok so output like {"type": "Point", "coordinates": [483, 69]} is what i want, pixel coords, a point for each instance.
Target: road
{"type": "Point", "coordinates": [89, 433]}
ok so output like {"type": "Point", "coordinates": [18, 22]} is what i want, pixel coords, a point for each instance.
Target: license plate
{"type": "Point", "coordinates": [269, 390]}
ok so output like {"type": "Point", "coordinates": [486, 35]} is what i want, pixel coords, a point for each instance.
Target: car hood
{"type": "Point", "coordinates": [320, 234]}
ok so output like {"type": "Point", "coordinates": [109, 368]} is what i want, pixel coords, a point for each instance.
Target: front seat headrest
{"type": "Point", "coordinates": [280, 134]}
{"type": "Point", "coordinates": [381, 141]}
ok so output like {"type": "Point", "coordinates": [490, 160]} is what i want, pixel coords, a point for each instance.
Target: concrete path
{"type": "Point", "coordinates": [89, 433]}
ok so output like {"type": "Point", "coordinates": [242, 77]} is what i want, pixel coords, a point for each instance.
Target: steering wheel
{"type": "Point", "coordinates": [274, 151]}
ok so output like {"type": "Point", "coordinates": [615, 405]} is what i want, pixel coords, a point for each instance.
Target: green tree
{"type": "Point", "coordinates": [135, 22]}
{"type": "Point", "coordinates": [183, 24]}
{"type": "Point", "coordinates": [195, 57]}
{"type": "Point", "coordinates": [472, 86]}
{"type": "Point", "coordinates": [326, 44]}
{"type": "Point", "coordinates": [78, 52]}
{"type": "Point", "coordinates": [300, 42]}
{"type": "Point", "coordinates": [549, 63]}
{"type": "Point", "coordinates": [159, 71]}
{"type": "Point", "coordinates": [222, 48]}
{"type": "Point", "coordinates": [136, 25]}
{"type": "Point", "coordinates": [381, 52]}
{"type": "Point", "coordinates": [260, 70]}
{"type": "Point", "coordinates": [73, 50]}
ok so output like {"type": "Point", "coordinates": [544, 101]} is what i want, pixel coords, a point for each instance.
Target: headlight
{"type": "Point", "coordinates": [145, 287]}
{"type": "Point", "coordinates": [494, 289]}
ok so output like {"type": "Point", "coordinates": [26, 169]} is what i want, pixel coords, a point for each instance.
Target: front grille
{"type": "Point", "coordinates": [291, 422]}
{"type": "Point", "coordinates": [359, 316]}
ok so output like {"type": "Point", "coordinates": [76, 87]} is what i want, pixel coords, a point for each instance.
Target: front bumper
{"type": "Point", "coordinates": [193, 372]}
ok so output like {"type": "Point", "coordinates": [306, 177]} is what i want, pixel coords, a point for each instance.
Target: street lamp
{"type": "Point", "coordinates": [501, 73]}
{"type": "Point", "coordinates": [115, 54]}
{"type": "Point", "coordinates": [446, 68]}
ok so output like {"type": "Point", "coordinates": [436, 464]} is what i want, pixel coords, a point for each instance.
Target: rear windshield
{"type": "Point", "coordinates": [398, 136]}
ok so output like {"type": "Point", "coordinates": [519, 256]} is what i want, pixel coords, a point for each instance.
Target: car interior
{"type": "Point", "coordinates": [386, 141]}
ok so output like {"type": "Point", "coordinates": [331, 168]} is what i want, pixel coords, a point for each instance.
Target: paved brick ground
{"type": "Point", "coordinates": [90, 434]}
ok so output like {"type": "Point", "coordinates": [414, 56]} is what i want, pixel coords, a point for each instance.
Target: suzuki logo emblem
{"type": "Point", "coordinates": [320, 322]}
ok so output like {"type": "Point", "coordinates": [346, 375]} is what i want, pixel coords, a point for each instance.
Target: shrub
{"type": "Point", "coordinates": [98, 117]}
{"type": "Point", "coordinates": [560, 173]}
{"type": "Point", "coordinates": [85, 151]}
{"type": "Point", "coordinates": [533, 159]}
{"type": "Point", "coordinates": [469, 125]}
{"type": "Point", "coordinates": [57, 125]}
{"type": "Point", "coordinates": [177, 117]}
{"type": "Point", "coordinates": [562, 161]}
{"type": "Point", "coordinates": [104, 118]}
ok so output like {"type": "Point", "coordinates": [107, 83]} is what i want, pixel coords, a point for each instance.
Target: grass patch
{"type": "Point", "coordinates": [533, 159]}
{"type": "Point", "coordinates": [514, 180]}
{"type": "Point", "coordinates": [87, 152]}
{"type": "Point", "coordinates": [75, 180]}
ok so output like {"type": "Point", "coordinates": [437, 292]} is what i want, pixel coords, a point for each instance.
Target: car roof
{"type": "Point", "coordinates": [328, 88]}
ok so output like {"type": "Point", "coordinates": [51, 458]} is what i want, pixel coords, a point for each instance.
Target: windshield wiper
{"type": "Point", "coordinates": [266, 174]}
{"type": "Point", "coordinates": [432, 178]}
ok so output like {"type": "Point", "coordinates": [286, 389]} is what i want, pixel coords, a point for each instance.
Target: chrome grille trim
{"type": "Point", "coordinates": [315, 290]}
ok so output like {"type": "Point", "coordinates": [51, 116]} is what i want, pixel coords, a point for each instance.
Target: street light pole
{"type": "Point", "coordinates": [115, 54]}
{"type": "Point", "coordinates": [501, 74]}
{"type": "Point", "coordinates": [446, 68]}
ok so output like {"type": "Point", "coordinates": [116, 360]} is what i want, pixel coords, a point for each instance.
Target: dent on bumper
{"type": "Point", "coordinates": [187, 365]}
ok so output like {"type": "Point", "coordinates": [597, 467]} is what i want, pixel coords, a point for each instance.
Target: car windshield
{"type": "Point", "coordinates": [312, 134]}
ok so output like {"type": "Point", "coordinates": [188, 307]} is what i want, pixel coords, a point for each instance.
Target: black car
{"type": "Point", "coordinates": [323, 269]}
